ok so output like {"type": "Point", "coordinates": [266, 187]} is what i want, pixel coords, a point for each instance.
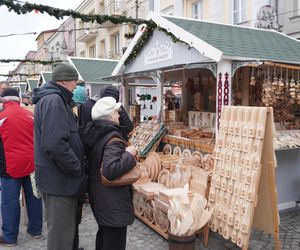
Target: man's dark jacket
{"type": "Point", "coordinates": [59, 154]}
{"type": "Point", "coordinates": [112, 206]}
{"type": "Point", "coordinates": [85, 116]}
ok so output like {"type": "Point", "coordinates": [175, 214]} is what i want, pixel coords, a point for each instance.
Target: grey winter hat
{"type": "Point", "coordinates": [63, 72]}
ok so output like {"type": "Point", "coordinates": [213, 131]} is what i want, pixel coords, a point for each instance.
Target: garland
{"type": "Point", "coordinates": [140, 44]}
{"type": "Point", "coordinates": [18, 74]}
{"type": "Point", "coordinates": [129, 35]}
{"type": "Point", "coordinates": [17, 81]}
{"type": "Point", "coordinates": [29, 60]}
{"type": "Point", "coordinates": [173, 37]}
{"type": "Point", "coordinates": [60, 13]}
{"type": "Point", "coordinates": [144, 38]}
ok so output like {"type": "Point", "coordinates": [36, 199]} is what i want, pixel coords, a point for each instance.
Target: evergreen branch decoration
{"type": "Point", "coordinates": [140, 44]}
{"type": "Point", "coordinates": [18, 74]}
{"type": "Point", "coordinates": [129, 35]}
{"type": "Point", "coordinates": [100, 19]}
{"type": "Point", "coordinates": [173, 37]}
{"type": "Point", "coordinates": [60, 13]}
{"type": "Point", "coordinates": [29, 61]}
{"type": "Point", "coordinates": [145, 37]}
{"type": "Point", "coordinates": [20, 81]}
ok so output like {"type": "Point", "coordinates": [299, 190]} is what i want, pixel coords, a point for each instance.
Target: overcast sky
{"type": "Point", "coordinates": [16, 47]}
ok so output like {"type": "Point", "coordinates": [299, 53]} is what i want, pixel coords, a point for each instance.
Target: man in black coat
{"type": "Point", "coordinates": [86, 108]}
{"type": "Point", "coordinates": [59, 155]}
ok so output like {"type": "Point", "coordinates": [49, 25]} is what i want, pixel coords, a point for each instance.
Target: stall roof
{"type": "Point", "coordinates": [222, 41]}
{"type": "Point", "coordinates": [239, 42]}
{"type": "Point", "coordinates": [46, 77]}
{"type": "Point", "coordinates": [31, 84]}
{"type": "Point", "coordinates": [22, 87]}
{"type": "Point", "coordinates": [91, 70]}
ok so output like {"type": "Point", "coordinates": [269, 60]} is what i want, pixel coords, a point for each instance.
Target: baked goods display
{"type": "Point", "coordinates": [237, 169]}
{"type": "Point", "coordinates": [146, 136]}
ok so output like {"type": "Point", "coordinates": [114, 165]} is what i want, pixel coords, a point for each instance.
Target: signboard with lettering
{"type": "Point", "coordinates": [160, 51]}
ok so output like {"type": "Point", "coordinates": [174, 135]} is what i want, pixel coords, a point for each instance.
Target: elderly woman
{"type": "Point", "coordinates": [112, 206]}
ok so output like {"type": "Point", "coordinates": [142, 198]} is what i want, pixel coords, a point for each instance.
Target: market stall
{"type": "Point", "coordinates": [213, 65]}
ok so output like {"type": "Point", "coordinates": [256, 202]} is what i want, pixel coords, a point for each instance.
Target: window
{"type": "Point", "coordinates": [116, 38]}
{"type": "Point", "coordinates": [296, 7]}
{"type": "Point", "coordinates": [92, 51]}
{"type": "Point", "coordinates": [151, 5]}
{"type": "Point", "coordinates": [82, 54]}
{"type": "Point", "coordinates": [169, 10]}
{"type": "Point", "coordinates": [115, 46]}
{"type": "Point", "coordinates": [197, 10]}
{"type": "Point", "coordinates": [239, 11]}
{"type": "Point", "coordinates": [102, 49]}
{"type": "Point", "coordinates": [80, 25]}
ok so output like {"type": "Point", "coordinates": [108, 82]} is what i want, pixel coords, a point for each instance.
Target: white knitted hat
{"type": "Point", "coordinates": [104, 108]}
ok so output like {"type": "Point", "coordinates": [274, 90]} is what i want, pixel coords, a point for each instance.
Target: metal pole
{"type": "Point", "coordinates": [136, 9]}
{"type": "Point", "coordinates": [136, 14]}
{"type": "Point", "coordinates": [52, 58]}
{"type": "Point", "coordinates": [74, 36]}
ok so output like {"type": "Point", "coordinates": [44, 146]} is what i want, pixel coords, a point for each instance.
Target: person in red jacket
{"type": "Point", "coordinates": [16, 164]}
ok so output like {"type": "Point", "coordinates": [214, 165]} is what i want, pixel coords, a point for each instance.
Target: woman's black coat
{"type": "Point", "coordinates": [112, 206]}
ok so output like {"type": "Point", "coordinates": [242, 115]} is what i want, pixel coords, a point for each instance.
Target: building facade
{"type": "Point", "coordinates": [107, 40]}
{"type": "Point", "coordinates": [289, 17]}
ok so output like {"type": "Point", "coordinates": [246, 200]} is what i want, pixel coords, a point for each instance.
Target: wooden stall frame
{"type": "Point", "coordinates": [266, 217]}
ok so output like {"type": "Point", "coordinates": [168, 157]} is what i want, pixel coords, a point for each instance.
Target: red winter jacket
{"type": "Point", "coordinates": [16, 132]}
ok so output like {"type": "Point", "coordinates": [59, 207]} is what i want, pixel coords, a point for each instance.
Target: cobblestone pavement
{"type": "Point", "coordinates": [142, 237]}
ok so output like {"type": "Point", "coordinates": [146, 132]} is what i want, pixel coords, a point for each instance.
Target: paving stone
{"type": "Point", "coordinates": [141, 237]}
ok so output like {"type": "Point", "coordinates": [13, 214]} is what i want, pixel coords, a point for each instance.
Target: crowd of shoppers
{"type": "Point", "coordinates": [66, 152]}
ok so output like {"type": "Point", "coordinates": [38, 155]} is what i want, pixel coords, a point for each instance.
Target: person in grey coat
{"type": "Point", "coordinates": [59, 155]}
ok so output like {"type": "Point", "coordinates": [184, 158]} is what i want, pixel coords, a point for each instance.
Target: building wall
{"type": "Point", "coordinates": [106, 35]}
{"type": "Point", "coordinates": [167, 7]}
{"type": "Point", "coordinates": [222, 11]}
{"type": "Point", "coordinates": [86, 7]}
{"type": "Point", "coordinates": [103, 40]}
{"type": "Point", "coordinates": [290, 17]}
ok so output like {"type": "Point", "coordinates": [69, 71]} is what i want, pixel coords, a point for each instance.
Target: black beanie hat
{"type": "Point", "coordinates": [110, 91]}
{"type": "Point", "coordinates": [10, 94]}
{"type": "Point", "coordinates": [63, 72]}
